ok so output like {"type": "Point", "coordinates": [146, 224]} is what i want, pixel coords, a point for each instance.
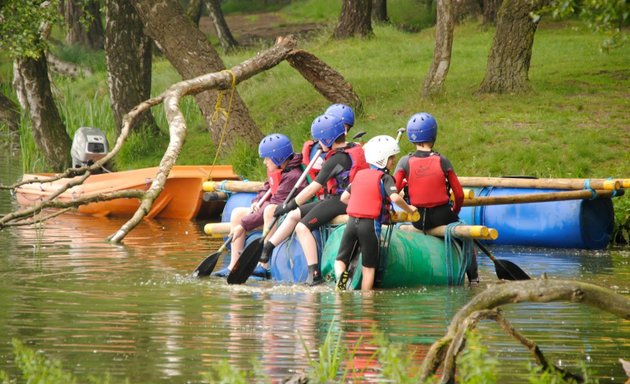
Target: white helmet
{"type": "Point", "coordinates": [379, 148]}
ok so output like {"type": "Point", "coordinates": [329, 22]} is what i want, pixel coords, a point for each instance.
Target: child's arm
{"type": "Point", "coordinates": [345, 197]}
{"type": "Point", "coordinates": [457, 189]}
{"type": "Point", "coordinates": [399, 201]}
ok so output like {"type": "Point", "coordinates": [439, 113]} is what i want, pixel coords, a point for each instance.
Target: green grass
{"type": "Point", "coordinates": [574, 123]}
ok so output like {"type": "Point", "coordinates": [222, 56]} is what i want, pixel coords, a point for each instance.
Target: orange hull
{"type": "Point", "coordinates": [180, 198]}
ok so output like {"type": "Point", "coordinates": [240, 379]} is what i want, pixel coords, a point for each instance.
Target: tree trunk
{"type": "Point", "coordinates": [194, 11]}
{"type": "Point", "coordinates": [33, 88]}
{"type": "Point", "coordinates": [511, 52]}
{"type": "Point", "coordinates": [466, 9]}
{"type": "Point", "coordinates": [379, 11]}
{"type": "Point", "coordinates": [228, 42]}
{"type": "Point", "coordinates": [355, 19]}
{"type": "Point", "coordinates": [128, 54]}
{"type": "Point", "coordinates": [9, 114]}
{"type": "Point", "coordinates": [90, 36]}
{"type": "Point", "coordinates": [188, 50]}
{"type": "Point", "coordinates": [490, 9]}
{"type": "Point", "coordinates": [328, 82]}
{"type": "Point", "coordinates": [434, 82]}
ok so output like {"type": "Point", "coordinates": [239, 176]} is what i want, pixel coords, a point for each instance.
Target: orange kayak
{"type": "Point", "coordinates": [181, 197]}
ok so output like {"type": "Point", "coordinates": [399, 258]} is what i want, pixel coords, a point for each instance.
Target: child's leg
{"type": "Point", "coordinates": [268, 217]}
{"type": "Point", "coordinates": [369, 233]}
{"type": "Point", "coordinates": [238, 243]}
{"type": "Point", "coordinates": [367, 279]}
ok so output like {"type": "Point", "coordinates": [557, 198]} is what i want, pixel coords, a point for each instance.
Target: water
{"type": "Point", "coordinates": [132, 311]}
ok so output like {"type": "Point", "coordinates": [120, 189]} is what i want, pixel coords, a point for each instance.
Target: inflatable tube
{"type": "Point", "coordinates": [586, 224]}
{"type": "Point", "coordinates": [412, 259]}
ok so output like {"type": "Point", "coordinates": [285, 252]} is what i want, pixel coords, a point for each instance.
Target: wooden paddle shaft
{"type": "Point", "coordinates": [535, 197]}
{"type": "Point", "coordinates": [510, 182]}
{"type": "Point", "coordinates": [460, 231]}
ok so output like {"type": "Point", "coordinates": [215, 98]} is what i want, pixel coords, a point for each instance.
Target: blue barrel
{"type": "Point", "coordinates": [288, 263]}
{"type": "Point", "coordinates": [586, 224]}
{"type": "Point", "coordinates": [236, 200]}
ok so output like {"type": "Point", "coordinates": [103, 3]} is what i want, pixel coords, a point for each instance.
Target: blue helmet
{"type": "Point", "coordinates": [327, 128]}
{"type": "Point", "coordinates": [342, 111]}
{"type": "Point", "coordinates": [277, 147]}
{"type": "Point", "coordinates": [422, 128]}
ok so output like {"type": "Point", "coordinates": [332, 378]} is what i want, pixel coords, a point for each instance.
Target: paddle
{"type": "Point", "coordinates": [206, 267]}
{"type": "Point", "coordinates": [505, 269]}
{"type": "Point", "coordinates": [251, 254]}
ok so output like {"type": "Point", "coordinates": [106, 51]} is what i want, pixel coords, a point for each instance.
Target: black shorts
{"type": "Point", "coordinates": [434, 217]}
{"type": "Point", "coordinates": [364, 233]}
{"type": "Point", "coordinates": [318, 213]}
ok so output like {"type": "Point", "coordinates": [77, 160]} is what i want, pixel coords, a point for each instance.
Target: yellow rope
{"type": "Point", "coordinates": [219, 110]}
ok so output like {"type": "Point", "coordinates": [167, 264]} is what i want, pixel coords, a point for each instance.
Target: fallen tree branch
{"type": "Point", "coordinates": [443, 351]}
{"type": "Point", "coordinates": [223, 80]}
{"type": "Point", "coordinates": [36, 220]}
{"type": "Point", "coordinates": [9, 218]}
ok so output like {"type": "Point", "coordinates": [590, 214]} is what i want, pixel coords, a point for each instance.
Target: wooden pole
{"type": "Point", "coordinates": [513, 182]}
{"type": "Point", "coordinates": [232, 186]}
{"type": "Point", "coordinates": [480, 232]}
{"type": "Point", "coordinates": [536, 197]}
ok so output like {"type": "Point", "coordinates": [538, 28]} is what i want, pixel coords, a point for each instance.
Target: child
{"type": "Point", "coordinates": [283, 171]}
{"type": "Point", "coordinates": [367, 207]}
{"type": "Point", "coordinates": [429, 178]}
{"type": "Point", "coordinates": [342, 161]}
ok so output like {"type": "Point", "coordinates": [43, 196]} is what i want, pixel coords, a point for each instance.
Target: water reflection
{"type": "Point", "coordinates": [131, 310]}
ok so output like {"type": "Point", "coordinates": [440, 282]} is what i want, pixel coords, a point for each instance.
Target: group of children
{"type": "Point", "coordinates": [347, 178]}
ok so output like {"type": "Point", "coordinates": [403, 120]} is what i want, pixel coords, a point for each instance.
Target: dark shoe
{"type": "Point", "coordinates": [314, 279]}
{"type": "Point", "coordinates": [474, 282]}
{"type": "Point", "coordinates": [343, 281]}
{"type": "Point", "coordinates": [222, 272]}
{"type": "Point", "coordinates": [266, 252]}
{"type": "Point", "coordinates": [261, 271]}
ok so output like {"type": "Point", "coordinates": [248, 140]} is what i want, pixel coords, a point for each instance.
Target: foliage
{"type": "Point", "coordinates": [607, 16]}
{"type": "Point", "coordinates": [225, 373]}
{"type": "Point", "coordinates": [37, 368]}
{"type": "Point", "coordinates": [331, 355]}
{"type": "Point", "coordinates": [475, 365]}
{"type": "Point", "coordinates": [396, 366]}
{"type": "Point", "coordinates": [20, 23]}
{"type": "Point", "coordinates": [538, 375]}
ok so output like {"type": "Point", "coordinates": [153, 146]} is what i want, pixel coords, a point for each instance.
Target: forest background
{"type": "Point", "coordinates": [573, 121]}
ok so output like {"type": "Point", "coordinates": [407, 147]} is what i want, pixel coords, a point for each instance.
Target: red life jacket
{"type": "Point", "coordinates": [339, 183]}
{"type": "Point", "coordinates": [366, 201]}
{"type": "Point", "coordinates": [426, 182]}
{"type": "Point", "coordinates": [308, 150]}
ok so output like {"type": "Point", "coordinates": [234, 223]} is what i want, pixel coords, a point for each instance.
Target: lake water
{"type": "Point", "coordinates": [132, 311]}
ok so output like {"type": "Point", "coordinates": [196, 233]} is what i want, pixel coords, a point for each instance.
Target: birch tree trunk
{"type": "Point", "coordinates": [188, 50]}
{"type": "Point", "coordinates": [508, 62]}
{"type": "Point", "coordinates": [355, 19]}
{"type": "Point", "coordinates": [434, 82]}
{"type": "Point", "coordinates": [227, 41]}
{"type": "Point", "coordinates": [128, 54]}
{"type": "Point", "coordinates": [33, 88]}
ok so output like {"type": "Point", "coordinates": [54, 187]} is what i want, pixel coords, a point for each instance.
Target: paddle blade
{"type": "Point", "coordinates": [507, 270]}
{"type": "Point", "coordinates": [246, 263]}
{"type": "Point", "coordinates": [206, 267]}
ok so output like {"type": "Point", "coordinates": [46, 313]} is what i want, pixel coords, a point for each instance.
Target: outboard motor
{"type": "Point", "coordinates": [89, 145]}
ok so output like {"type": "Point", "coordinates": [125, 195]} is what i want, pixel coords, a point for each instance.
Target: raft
{"type": "Point", "coordinates": [180, 198]}
{"type": "Point", "coordinates": [585, 224]}
{"type": "Point", "coordinates": [409, 259]}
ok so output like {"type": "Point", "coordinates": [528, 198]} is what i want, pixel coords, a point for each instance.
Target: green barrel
{"type": "Point", "coordinates": [408, 259]}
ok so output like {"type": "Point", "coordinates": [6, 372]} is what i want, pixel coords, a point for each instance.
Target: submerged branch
{"type": "Point", "coordinates": [444, 351]}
